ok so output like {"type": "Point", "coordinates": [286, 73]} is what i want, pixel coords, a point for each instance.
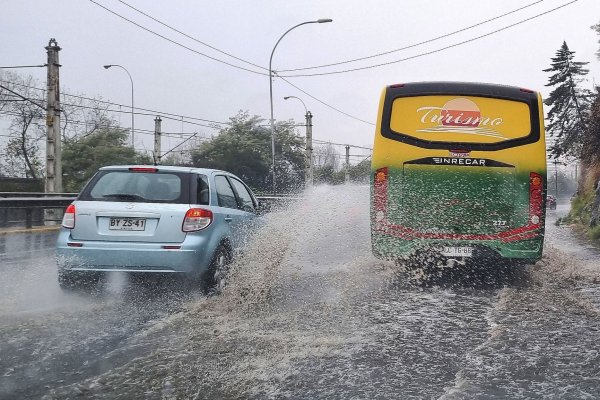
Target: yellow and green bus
{"type": "Point", "coordinates": [459, 171]}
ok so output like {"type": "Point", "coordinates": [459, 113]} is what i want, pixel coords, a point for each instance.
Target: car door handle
{"type": "Point", "coordinates": [228, 218]}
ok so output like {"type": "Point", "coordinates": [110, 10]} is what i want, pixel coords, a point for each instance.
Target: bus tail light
{"type": "Point", "coordinates": [380, 189]}
{"type": "Point", "coordinates": [68, 220]}
{"type": "Point", "coordinates": [536, 199]}
{"type": "Point", "coordinates": [196, 219]}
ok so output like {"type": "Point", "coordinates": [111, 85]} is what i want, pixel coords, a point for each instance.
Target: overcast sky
{"type": "Point", "coordinates": [170, 78]}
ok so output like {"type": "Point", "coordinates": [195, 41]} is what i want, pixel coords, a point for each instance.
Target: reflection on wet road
{"type": "Point", "coordinates": [309, 313]}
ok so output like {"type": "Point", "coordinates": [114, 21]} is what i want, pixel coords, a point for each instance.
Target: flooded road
{"type": "Point", "coordinates": [308, 313]}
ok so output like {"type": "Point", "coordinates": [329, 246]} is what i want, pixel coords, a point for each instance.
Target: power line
{"type": "Point", "coordinates": [325, 104]}
{"type": "Point", "coordinates": [25, 66]}
{"type": "Point", "coordinates": [191, 37]}
{"type": "Point", "coordinates": [162, 113]}
{"type": "Point", "coordinates": [175, 42]}
{"type": "Point", "coordinates": [342, 144]}
{"type": "Point", "coordinates": [432, 51]}
{"type": "Point", "coordinates": [141, 113]}
{"type": "Point", "coordinates": [415, 44]}
{"type": "Point", "coordinates": [194, 135]}
{"type": "Point", "coordinates": [23, 97]}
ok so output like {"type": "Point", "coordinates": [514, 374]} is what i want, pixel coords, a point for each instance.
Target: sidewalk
{"type": "Point", "coordinates": [35, 229]}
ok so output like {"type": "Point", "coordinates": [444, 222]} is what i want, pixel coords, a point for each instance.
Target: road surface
{"type": "Point", "coordinates": [308, 313]}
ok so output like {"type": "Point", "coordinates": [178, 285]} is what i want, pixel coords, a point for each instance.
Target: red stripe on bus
{"type": "Point", "coordinates": [520, 233]}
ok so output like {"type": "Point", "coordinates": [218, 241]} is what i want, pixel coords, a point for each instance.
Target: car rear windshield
{"type": "Point", "coordinates": [142, 187]}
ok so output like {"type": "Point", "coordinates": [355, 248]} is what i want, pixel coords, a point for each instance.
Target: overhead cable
{"type": "Point", "coordinates": [432, 51]}
{"type": "Point", "coordinates": [446, 35]}
{"type": "Point", "coordinates": [175, 42]}
{"type": "Point", "coordinates": [325, 104]}
{"type": "Point", "coordinates": [193, 38]}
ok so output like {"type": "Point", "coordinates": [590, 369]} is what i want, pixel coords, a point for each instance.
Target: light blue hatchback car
{"type": "Point", "coordinates": [155, 219]}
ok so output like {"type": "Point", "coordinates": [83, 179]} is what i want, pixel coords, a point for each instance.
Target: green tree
{"type": "Point", "coordinates": [567, 118]}
{"type": "Point", "coordinates": [591, 149]}
{"type": "Point", "coordinates": [360, 172]}
{"type": "Point", "coordinates": [597, 29]}
{"type": "Point", "coordinates": [327, 175]}
{"type": "Point", "coordinates": [105, 146]}
{"type": "Point", "coordinates": [244, 149]}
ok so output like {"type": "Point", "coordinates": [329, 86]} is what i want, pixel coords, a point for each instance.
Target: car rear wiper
{"type": "Point", "coordinates": [124, 196]}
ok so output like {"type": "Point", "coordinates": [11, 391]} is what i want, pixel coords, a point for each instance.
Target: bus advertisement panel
{"type": "Point", "coordinates": [459, 170]}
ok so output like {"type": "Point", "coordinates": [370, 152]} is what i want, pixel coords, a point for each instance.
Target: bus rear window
{"type": "Point", "coordinates": [460, 119]}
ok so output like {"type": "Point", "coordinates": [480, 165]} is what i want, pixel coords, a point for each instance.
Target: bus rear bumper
{"type": "Point", "coordinates": [390, 247]}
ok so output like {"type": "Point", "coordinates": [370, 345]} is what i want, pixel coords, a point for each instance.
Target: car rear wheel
{"type": "Point", "coordinates": [215, 277]}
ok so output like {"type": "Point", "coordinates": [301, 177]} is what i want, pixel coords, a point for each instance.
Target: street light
{"type": "Point", "coordinates": [132, 113]}
{"type": "Point", "coordinates": [308, 172]}
{"type": "Point", "coordinates": [319, 21]}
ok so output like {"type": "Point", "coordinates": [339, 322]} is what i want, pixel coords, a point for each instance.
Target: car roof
{"type": "Point", "coordinates": [172, 168]}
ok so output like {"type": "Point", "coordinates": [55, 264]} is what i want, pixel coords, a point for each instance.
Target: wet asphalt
{"type": "Point", "coordinates": [309, 313]}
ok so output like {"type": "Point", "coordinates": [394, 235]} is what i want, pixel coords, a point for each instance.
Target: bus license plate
{"type": "Point", "coordinates": [127, 224]}
{"type": "Point", "coordinates": [457, 251]}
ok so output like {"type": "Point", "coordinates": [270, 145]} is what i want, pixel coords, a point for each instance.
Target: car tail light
{"type": "Point", "coordinates": [380, 189]}
{"type": "Point", "coordinates": [196, 219]}
{"type": "Point", "coordinates": [143, 169]}
{"type": "Point", "coordinates": [536, 200]}
{"type": "Point", "coordinates": [69, 217]}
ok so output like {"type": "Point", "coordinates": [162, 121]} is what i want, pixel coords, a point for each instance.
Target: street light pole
{"type": "Point", "coordinates": [308, 172]}
{"type": "Point", "coordinates": [132, 109]}
{"type": "Point", "coordinates": [319, 21]}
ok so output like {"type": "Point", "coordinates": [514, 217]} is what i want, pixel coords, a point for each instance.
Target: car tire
{"type": "Point", "coordinates": [215, 278]}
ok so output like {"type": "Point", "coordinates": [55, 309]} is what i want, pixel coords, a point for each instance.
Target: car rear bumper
{"type": "Point", "coordinates": [193, 255]}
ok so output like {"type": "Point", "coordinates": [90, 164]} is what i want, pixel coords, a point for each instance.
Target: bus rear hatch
{"type": "Point", "coordinates": [454, 199]}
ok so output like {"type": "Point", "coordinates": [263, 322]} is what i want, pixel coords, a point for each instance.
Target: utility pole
{"type": "Point", "coordinates": [157, 134]}
{"type": "Point", "coordinates": [347, 164]}
{"type": "Point", "coordinates": [308, 175]}
{"type": "Point", "coordinates": [53, 139]}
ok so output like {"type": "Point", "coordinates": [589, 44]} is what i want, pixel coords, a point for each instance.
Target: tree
{"type": "Point", "coordinates": [23, 103]}
{"type": "Point", "coordinates": [597, 29]}
{"type": "Point", "coordinates": [591, 149]}
{"type": "Point", "coordinates": [360, 172]}
{"type": "Point", "coordinates": [105, 146]}
{"type": "Point", "coordinates": [244, 149]}
{"type": "Point", "coordinates": [24, 107]}
{"type": "Point", "coordinates": [568, 113]}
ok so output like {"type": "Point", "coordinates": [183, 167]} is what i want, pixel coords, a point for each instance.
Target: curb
{"type": "Point", "coordinates": [31, 230]}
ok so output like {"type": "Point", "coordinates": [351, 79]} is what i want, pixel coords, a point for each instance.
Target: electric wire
{"type": "Point", "coordinates": [193, 38]}
{"type": "Point", "coordinates": [24, 66]}
{"type": "Point", "coordinates": [418, 43]}
{"type": "Point", "coordinates": [175, 42]}
{"type": "Point", "coordinates": [432, 51]}
{"type": "Point", "coordinates": [324, 103]}
{"type": "Point", "coordinates": [161, 113]}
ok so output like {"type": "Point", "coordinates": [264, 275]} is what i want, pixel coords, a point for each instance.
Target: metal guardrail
{"type": "Point", "coordinates": [30, 201]}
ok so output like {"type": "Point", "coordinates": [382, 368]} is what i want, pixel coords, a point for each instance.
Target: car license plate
{"type": "Point", "coordinates": [457, 251]}
{"type": "Point", "coordinates": [127, 224]}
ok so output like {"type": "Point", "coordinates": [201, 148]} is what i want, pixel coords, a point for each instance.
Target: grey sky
{"type": "Point", "coordinates": [172, 79]}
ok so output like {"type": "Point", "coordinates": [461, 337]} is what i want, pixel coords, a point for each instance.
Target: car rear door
{"type": "Point", "coordinates": [227, 212]}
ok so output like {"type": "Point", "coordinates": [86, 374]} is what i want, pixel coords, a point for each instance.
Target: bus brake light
{"type": "Point", "coordinates": [536, 199]}
{"type": "Point", "coordinates": [380, 189]}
